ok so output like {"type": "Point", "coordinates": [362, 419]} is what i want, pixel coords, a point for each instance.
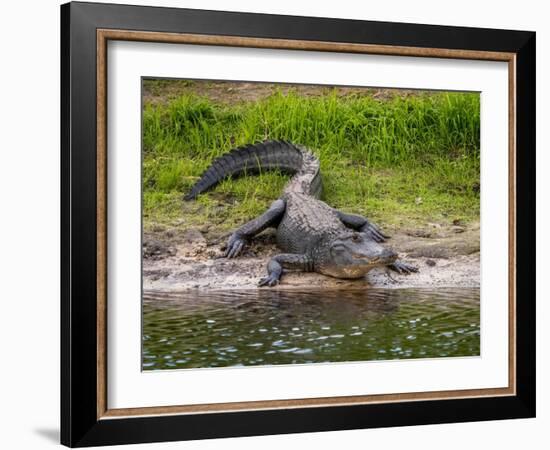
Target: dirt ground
{"type": "Point", "coordinates": [446, 255]}
{"type": "Point", "coordinates": [230, 93]}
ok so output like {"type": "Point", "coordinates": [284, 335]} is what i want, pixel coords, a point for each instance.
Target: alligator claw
{"type": "Point", "coordinates": [270, 280]}
{"type": "Point", "coordinates": [403, 268]}
{"type": "Point", "coordinates": [374, 232]}
{"type": "Point", "coordinates": [234, 246]}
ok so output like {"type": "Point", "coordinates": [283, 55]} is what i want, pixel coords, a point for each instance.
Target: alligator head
{"type": "Point", "coordinates": [352, 255]}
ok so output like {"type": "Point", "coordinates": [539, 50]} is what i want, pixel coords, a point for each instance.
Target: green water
{"type": "Point", "coordinates": [265, 327]}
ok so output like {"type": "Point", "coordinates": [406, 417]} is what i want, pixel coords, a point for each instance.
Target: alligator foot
{"type": "Point", "coordinates": [363, 225]}
{"type": "Point", "coordinates": [403, 268]}
{"type": "Point", "coordinates": [234, 246]}
{"type": "Point", "coordinates": [291, 261]}
{"type": "Point", "coordinates": [373, 232]}
{"type": "Point", "coordinates": [271, 280]}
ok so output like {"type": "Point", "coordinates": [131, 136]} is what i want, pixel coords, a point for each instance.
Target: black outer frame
{"type": "Point", "coordinates": [79, 423]}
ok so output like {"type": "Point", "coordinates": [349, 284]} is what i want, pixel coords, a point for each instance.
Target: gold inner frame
{"type": "Point", "coordinates": [103, 36]}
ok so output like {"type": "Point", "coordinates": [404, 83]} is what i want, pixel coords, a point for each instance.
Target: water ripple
{"type": "Point", "coordinates": [263, 327]}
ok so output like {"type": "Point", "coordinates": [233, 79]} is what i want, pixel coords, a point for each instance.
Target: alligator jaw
{"type": "Point", "coordinates": [376, 261]}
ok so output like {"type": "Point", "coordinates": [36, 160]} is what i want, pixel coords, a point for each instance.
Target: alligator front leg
{"type": "Point", "coordinates": [362, 225]}
{"type": "Point", "coordinates": [402, 267]}
{"type": "Point", "coordinates": [291, 261]}
{"type": "Point", "coordinates": [270, 218]}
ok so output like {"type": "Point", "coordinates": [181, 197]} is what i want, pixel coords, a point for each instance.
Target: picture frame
{"type": "Point", "coordinates": [86, 418]}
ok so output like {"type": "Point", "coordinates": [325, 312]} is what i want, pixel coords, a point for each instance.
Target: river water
{"type": "Point", "coordinates": [194, 329]}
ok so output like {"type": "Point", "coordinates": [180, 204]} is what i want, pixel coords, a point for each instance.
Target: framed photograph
{"type": "Point", "coordinates": [277, 224]}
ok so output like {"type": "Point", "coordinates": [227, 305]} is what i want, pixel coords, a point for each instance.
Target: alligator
{"type": "Point", "coordinates": [313, 236]}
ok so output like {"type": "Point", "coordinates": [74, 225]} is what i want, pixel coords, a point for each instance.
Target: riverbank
{"type": "Point", "coordinates": [447, 255]}
{"type": "Point", "coordinates": [407, 160]}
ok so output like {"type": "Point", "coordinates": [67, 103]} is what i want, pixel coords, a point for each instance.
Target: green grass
{"type": "Point", "coordinates": [402, 160]}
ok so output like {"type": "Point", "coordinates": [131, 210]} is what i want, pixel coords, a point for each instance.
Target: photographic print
{"type": "Point", "coordinates": [252, 215]}
{"type": "Point", "coordinates": [294, 224]}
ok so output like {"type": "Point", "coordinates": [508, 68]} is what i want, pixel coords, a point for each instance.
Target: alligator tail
{"type": "Point", "coordinates": [250, 159]}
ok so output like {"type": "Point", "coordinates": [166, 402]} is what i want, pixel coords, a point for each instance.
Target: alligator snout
{"type": "Point", "coordinates": [383, 256]}
{"type": "Point", "coordinates": [388, 256]}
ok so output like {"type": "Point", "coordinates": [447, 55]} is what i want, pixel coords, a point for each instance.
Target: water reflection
{"type": "Point", "coordinates": [264, 327]}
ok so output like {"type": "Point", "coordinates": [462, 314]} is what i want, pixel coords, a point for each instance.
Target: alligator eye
{"type": "Point", "coordinates": [356, 238]}
{"type": "Point", "coordinates": [339, 248]}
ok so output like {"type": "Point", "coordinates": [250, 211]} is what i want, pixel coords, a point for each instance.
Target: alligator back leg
{"type": "Point", "coordinates": [291, 261]}
{"type": "Point", "coordinates": [363, 225]}
{"type": "Point", "coordinates": [270, 218]}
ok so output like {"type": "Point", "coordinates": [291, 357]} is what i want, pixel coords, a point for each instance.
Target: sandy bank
{"type": "Point", "coordinates": [447, 256]}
